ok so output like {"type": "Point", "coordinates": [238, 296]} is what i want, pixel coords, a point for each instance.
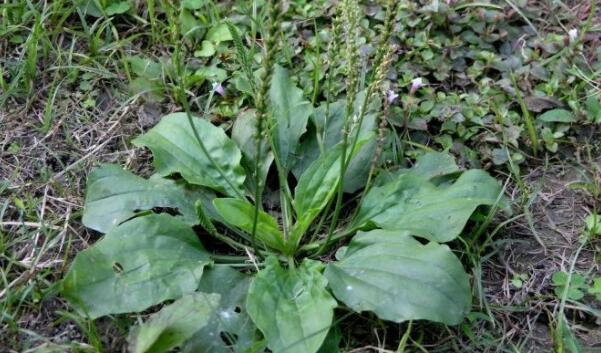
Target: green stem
{"type": "Point", "coordinates": [229, 241]}
{"type": "Point", "coordinates": [392, 8]}
{"type": "Point", "coordinates": [321, 221]}
{"type": "Point", "coordinates": [184, 101]}
{"type": "Point", "coordinates": [258, 186]}
{"type": "Point", "coordinates": [260, 103]}
{"type": "Point", "coordinates": [320, 246]}
{"type": "Point", "coordinates": [527, 118]}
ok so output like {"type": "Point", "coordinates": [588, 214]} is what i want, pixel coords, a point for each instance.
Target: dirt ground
{"type": "Point", "coordinates": [542, 242]}
{"type": "Point", "coordinates": [42, 188]}
{"type": "Point", "coordinates": [49, 171]}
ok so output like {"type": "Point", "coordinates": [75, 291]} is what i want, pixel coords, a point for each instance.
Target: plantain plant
{"type": "Point", "coordinates": [268, 276]}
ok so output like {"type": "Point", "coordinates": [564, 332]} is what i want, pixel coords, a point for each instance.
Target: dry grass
{"type": "Point", "coordinates": [42, 231]}
{"type": "Point", "coordinates": [42, 185]}
{"type": "Point", "coordinates": [540, 244]}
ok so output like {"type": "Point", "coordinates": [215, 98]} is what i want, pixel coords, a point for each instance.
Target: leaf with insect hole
{"type": "Point", "coordinates": [174, 324]}
{"type": "Point", "coordinates": [230, 329]}
{"type": "Point", "coordinates": [114, 195]}
{"type": "Point", "coordinates": [138, 264]}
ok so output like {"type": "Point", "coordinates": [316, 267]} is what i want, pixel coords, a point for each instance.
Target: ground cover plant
{"type": "Point", "coordinates": [253, 176]}
{"type": "Point", "coordinates": [146, 258]}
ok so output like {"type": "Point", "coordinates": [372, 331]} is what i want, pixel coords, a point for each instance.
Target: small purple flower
{"type": "Point", "coordinates": [218, 88]}
{"type": "Point", "coordinates": [391, 96]}
{"type": "Point", "coordinates": [416, 84]}
{"type": "Point", "coordinates": [573, 35]}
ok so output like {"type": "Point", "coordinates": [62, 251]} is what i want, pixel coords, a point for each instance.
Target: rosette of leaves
{"type": "Point", "coordinates": [283, 296]}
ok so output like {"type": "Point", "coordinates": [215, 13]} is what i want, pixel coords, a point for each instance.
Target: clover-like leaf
{"type": "Point", "coordinates": [146, 67]}
{"type": "Point", "coordinates": [176, 150]}
{"type": "Point", "coordinates": [115, 195]}
{"type": "Point", "coordinates": [434, 212]}
{"type": "Point", "coordinates": [137, 264]}
{"type": "Point", "coordinates": [593, 224]}
{"type": "Point", "coordinates": [400, 279]}
{"type": "Point", "coordinates": [291, 306]}
{"type": "Point", "coordinates": [575, 287]}
{"type": "Point", "coordinates": [174, 324]}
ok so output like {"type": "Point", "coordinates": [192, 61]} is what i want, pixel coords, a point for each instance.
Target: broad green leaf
{"type": "Point", "coordinates": [88, 7]}
{"type": "Point", "coordinates": [151, 90]}
{"type": "Point", "coordinates": [557, 116]}
{"type": "Point", "coordinates": [230, 328]}
{"type": "Point", "coordinates": [291, 307]}
{"type": "Point", "coordinates": [434, 212]}
{"type": "Point", "coordinates": [117, 8]}
{"type": "Point", "coordinates": [331, 343]}
{"type": "Point", "coordinates": [290, 115]}
{"type": "Point", "coordinates": [330, 130]}
{"type": "Point", "coordinates": [433, 164]}
{"type": "Point", "coordinates": [145, 67]}
{"type": "Point", "coordinates": [244, 133]}
{"type": "Point", "coordinates": [138, 264]}
{"type": "Point", "coordinates": [428, 166]}
{"type": "Point", "coordinates": [241, 82]}
{"type": "Point", "coordinates": [593, 109]}
{"type": "Point", "coordinates": [400, 279]}
{"type": "Point", "coordinates": [176, 150]}
{"type": "Point", "coordinates": [240, 214]}
{"type": "Point", "coordinates": [219, 33]}
{"type": "Point", "coordinates": [193, 4]}
{"type": "Point", "coordinates": [206, 50]}
{"type": "Point", "coordinates": [174, 324]}
{"type": "Point", "coordinates": [316, 187]}
{"type": "Point", "coordinates": [211, 73]}
{"type": "Point", "coordinates": [114, 195]}
{"type": "Point", "coordinates": [190, 26]}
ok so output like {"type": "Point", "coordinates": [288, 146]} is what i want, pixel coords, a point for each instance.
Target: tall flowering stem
{"type": "Point", "coordinates": [332, 54]}
{"type": "Point", "coordinates": [381, 63]}
{"type": "Point", "coordinates": [390, 98]}
{"type": "Point", "coordinates": [270, 48]}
